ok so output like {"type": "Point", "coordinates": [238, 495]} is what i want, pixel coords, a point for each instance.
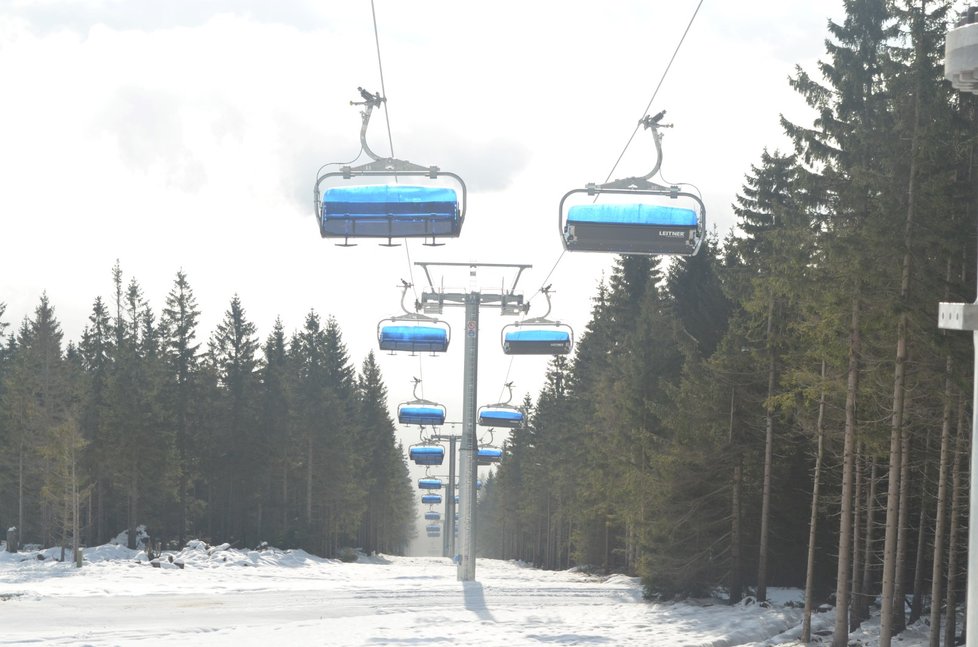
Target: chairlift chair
{"type": "Point", "coordinates": [388, 210]}
{"type": "Point", "coordinates": [644, 218]}
{"type": "Point", "coordinates": [501, 414]}
{"type": "Point", "coordinates": [538, 336]}
{"type": "Point", "coordinates": [429, 483]}
{"type": "Point", "coordinates": [432, 515]}
{"type": "Point", "coordinates": [413, 332]}
{"type": "Point", "coordinates": [488, 456]}
{"type": "Point", "coordinates": [433, 530]}
{"type": "Point", "coordinates": [420, 411]}
{"type": "Point", "coordinates": [427, 454]}
{"type": "Point", "coordinates": [496, 415]}
{"type": "Point", "coordinates": [431, 499]}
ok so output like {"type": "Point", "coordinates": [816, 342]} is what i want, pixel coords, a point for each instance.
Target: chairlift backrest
{"type": "Point", "coordinates": [400, 335]}
{"type": "Point", "coordinates": [537, 338]}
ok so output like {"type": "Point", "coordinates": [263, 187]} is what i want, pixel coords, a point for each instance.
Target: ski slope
{"type": "Point", "coordinates": [230, 597]}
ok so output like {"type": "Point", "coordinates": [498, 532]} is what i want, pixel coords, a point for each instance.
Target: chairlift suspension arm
{"type": "Point", "coordinates": [652, 123]}
{"type": "Point", "coordinates": [370, 101]}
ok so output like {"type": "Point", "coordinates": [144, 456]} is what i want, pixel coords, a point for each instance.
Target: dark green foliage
{"type": "Point", "coordinates": [651, 444]}
{"type": "Point", "coordinates": [284, 444]}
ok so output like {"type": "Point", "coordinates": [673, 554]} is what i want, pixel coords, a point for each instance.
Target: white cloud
{"type": "Point", "coordinates": [190, 137]}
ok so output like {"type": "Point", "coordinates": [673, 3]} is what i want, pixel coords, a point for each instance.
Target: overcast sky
{"type": "Point", "coordinates": [186, 135]}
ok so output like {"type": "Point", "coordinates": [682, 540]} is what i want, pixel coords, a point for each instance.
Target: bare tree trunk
{"type": "Point", "coordinates": [869, 561]}
{"type": "Point", "coordinates": [840, 637]}
{"type": "Point", "coordinates": [768, 460]}
{"type": "Point", "coordinates": [100, 512]}
{"type": "Point", "coordinates": [891, 600]}
{"type": "Point", "coordinates": [20, 493]}
{"type": "Point", "coordinates": [89, 539]}
{"type": "Point", "coordinates": [855, 576]}
{"type": "Point", "coordinates": [132, 500]}
{"type": "Point", "coordinates": [76, 514]}
{"type": "Point", "coordinates": [309, 482]}
{"type": "Point", "coordinates": [736, 566]}
{"type": "Point", "coordinates": [285, 499]}
{"type": "Point", "coordinates": [65, 516]}
{"type": "Point", "coordinates": [806, 627]}
{"type": "Point", "coordinates": [917, 604]}
{"type": "Point", "coordinates": [941, 513]}
{"type": "Point", "coordinates": [903, 528]}
{"type": "Point", "coordinates": [957, 485]}
{"type": "Point", "coordinates": [892, 617]}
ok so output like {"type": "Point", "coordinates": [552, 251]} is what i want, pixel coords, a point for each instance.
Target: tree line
{"type": "Point", "coordinates": [782, 409]}
{"type": "Point", "coordinates": [139, 423]}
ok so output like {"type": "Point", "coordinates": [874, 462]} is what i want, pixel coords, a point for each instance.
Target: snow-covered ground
{"type": "Point", "coordinates": [206, 595]}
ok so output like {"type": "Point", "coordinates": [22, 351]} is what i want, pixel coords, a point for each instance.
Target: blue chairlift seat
{"type": "Point", "coordinates": [429, 484]}
{"type": "Point", "coordinates": [536, 339]}
{"type": "Point", "coordinates": [427, 454]}
{"type": "Point", "coordinates": [488, 455]}
{"type": "Point", "coordinates": [394, 335]}
{"type": "Point", "coordinates": [432, 515]}
{"type": "Point", "coordinates": [390, 211]}
{"type": "Point", "coordinates": [421, 414]}
{"type": "Point", "coordinates": [499, 416]}
{"type": "Point", "coordinates": [631, 229]}
{"type": "Point", "coordinates": [431, 499]}
{"type": "Point", "coordinates": [433, 529]}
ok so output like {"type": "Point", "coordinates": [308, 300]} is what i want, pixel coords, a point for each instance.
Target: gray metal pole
{"type": "Point", "coordinates": [469, 467]}
{"type": "Point", "coordinates": [971, 601]}
{"type": "Point", "coordinates": [448, 547]}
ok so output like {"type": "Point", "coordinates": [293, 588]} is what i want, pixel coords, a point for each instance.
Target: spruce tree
{"type": "Point", "coordinates": [847, 152]}
{"type": "Point", "coordinates": [274, 417]}
{"type": "Point", "coordinates": [180, 351]}
{"type": "Point", "coordinates": [36, 402]}
{"type": "Point", "coordinates": [238, 450]}
{"type": "Point", "coordinates": [97, 350]}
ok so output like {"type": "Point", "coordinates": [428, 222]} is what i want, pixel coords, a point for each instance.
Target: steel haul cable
{"type": "Point", "coordinates": [655, 93]}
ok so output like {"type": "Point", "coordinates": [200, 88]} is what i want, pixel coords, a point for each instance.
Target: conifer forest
{"type": "Point", "coordinates": [781, 409]}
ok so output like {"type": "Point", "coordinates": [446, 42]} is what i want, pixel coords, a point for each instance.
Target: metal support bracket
{"type": "Point", "coordinates": [957, 316]}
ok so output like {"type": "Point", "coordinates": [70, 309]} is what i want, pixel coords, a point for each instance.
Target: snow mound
{"type": "Point", "coordinates": [142, 537]}
{"type": "Point", "coordinates": [109, 552]}
{"type": "Point", "coordinates": [199, 554]}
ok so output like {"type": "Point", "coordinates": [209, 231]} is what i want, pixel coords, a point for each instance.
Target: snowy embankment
{"type": "Point", "coordinates": [214, 595]}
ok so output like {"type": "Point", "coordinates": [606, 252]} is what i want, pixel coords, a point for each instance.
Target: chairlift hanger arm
{"type": "Point", "coordinates": [370, 101]}
{"type": "Point", "coordinates": [643, 182]}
